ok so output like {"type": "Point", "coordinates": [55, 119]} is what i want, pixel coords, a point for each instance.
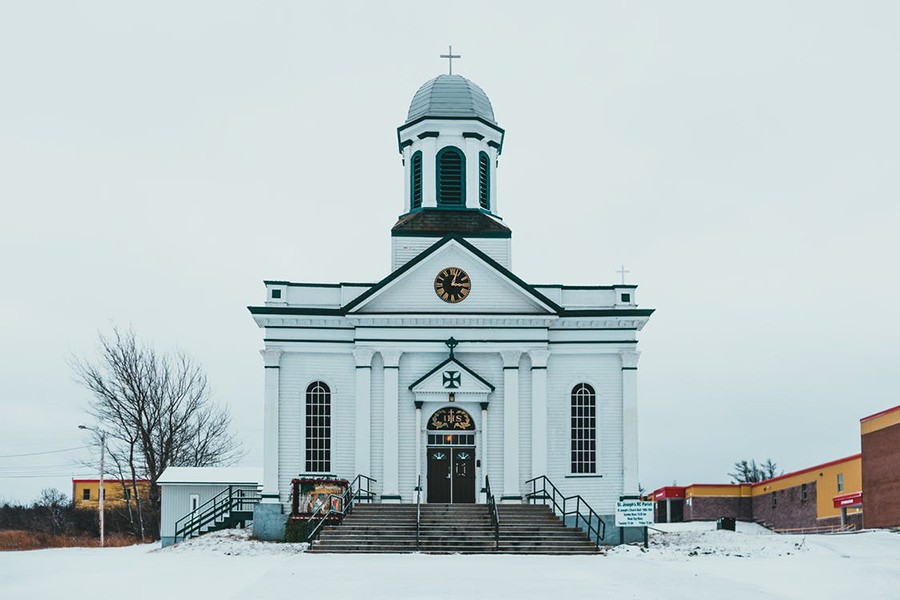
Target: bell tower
{"type": "Point", "coordinates": [450, 144]}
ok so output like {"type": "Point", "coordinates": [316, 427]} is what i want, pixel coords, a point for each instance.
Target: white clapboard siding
{"type": "Point", "coordinates": [298, 370]}
{"type": "Point", "coordinates": [603, 372]}
{"type": "Point", "coordinates": [413, 292]}
{"type": "Point", "coordinates": [404, 249]}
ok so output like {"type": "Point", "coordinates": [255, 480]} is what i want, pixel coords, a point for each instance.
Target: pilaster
{"type": "Point", "coordinates": [390, 490]}
{"type": "Point", "coordinates": [511, 490]}
{"type": "Point", "coordinates": [629, 422]}
{"type": "Point", "coordinates": [272, 363]}
{"type": "Point", "coordinates": [363, 357]}
{"type": "Point", "coordinates": [539, 411]}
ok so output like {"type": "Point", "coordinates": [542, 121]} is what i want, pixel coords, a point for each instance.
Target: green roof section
{"type": "Point", "coordinates": [450, 96]}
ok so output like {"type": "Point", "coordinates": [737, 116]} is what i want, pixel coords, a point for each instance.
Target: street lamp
{"type": "Point", "coordinates": [102, 435]}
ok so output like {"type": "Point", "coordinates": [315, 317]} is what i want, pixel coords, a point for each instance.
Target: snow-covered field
{"type": "Point", "coordinates": [687, 561]}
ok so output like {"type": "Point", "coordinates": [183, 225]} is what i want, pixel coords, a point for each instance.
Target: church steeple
{"type": "Point", "coordinates": [450, 144]}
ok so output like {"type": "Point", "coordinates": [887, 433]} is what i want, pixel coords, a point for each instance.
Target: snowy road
{"type": "Point", "coordinates": [695, 564]}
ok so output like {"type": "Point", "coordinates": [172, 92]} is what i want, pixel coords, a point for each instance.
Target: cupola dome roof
{"type": "Point", "coordinates": [450, 96]}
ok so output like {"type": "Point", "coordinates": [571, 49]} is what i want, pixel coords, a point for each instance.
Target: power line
{"type": "Point", "coordinates": [38, 453]}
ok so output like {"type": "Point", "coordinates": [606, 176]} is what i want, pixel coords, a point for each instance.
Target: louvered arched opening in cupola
{"type": "Point", "coordinates": [415, 184]}
{"type": "Point", "coordinates": [451, 181]}
{"type": "Point", "coordinates": [484, 181]}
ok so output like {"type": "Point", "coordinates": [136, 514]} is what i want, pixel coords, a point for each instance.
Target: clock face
{"type": "Point", "coordinates": [452, 285]}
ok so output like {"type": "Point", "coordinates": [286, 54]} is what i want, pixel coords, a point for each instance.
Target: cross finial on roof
{"type": "Point", "coordinates": [623, 272]}
{"type": "Point", "coordinates": [451, 343]}
{"type": "Point", "coordinates": [450, 56]}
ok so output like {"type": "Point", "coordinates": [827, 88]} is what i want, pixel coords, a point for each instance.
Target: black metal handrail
{"type": "Point", "coordinates": [347, 498]}
{"type": "Point", "coordinates": [418, 508]}
{"type": "Point", "coordinates": [492, 510]}
{"type": "Point", "coordinates": [227, 501]}
{"type": "Point", "coordinates": [562, 504]}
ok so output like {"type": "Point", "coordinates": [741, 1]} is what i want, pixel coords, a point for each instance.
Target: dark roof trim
{"type": "Point", "coordinates": [428, 134]}
{"type": "Point", "coordinates": [434, 248]}
{"type": "Point", "coordinates": [445, 363]}
{"type": "Point", "coordinates": [318, 285]}
{"type": "Point", "coordinates": [493, 126]}
{"type": "Point", "coordinates": [405, 143]}
{"type": "Point", "coordinates": [294, 310]}
{"type": "Point", "coordinates": [609, 312]}
{"type": "Point", "coordinates": [473, 134]}
{"type": "Point", "coordinates": [489, 234]}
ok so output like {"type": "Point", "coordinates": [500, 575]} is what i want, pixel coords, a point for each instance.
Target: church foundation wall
{"type": "Point", "coordinates": [269, 521]}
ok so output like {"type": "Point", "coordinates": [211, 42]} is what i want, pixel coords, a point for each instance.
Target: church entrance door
{"type": "Point", "coordinates": [451, 456]}
{"type": "Point", "coordinates": [451, 475]}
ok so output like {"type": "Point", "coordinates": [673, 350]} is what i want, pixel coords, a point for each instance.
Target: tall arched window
{"type": "Point", "coordinates": [451, 177]}
{"type": "Point", "coordinates": [484, 180]}
{"type": "Point", "coordinates": [584, 429]}
{"type": "Point", "coordinates": [415, 184]}
{"type": "Point", "coordinates": [318, 428]}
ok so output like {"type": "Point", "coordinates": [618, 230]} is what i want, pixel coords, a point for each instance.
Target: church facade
{"type": "Point", "coordinates": [451, 369]}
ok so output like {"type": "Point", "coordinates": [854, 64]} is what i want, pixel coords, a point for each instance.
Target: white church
{"type": "Point", "coordinates": [450, 369]}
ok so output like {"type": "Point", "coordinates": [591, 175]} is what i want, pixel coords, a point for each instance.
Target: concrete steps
{"type": "Point", "coordinates": [452, 529]}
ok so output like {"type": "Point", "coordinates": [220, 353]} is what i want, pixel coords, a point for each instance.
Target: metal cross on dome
{"type": "Point", "coordinates": [450, 56]}
{"type": "Point", "coordinates": [623, 272]}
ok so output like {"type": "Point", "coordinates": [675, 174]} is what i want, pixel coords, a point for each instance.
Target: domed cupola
{"type": "Point", "coordinates": [450, 144]}
{"type": "Point", "coordinates": [451, 96]}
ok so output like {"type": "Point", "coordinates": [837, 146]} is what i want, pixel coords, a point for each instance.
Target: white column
{"type": "Point", "coordinates": [363, 357]}
{"type": "Point", "coordinates": [390, 489]}
{"type": "Point", "coordinates": [272, 361]}
{"type": "Point", "coordinates": [484, 446]}
{"type": "Point", "coordinates": [419, 404]}
{"type": "Point", "coordinates": [539, 412]}
{"type": "Point", "coordinates": [629, 422]}
{"type": "Point", "coordinates": [471, 149]}
{"type": "Point", "coordinates": [429, 172]}
{"type": "Point", "coordinates": [511, 490]}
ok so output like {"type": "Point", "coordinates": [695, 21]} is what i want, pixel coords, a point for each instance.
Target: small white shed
{"type": "Point", "coordinates": [197, 500]}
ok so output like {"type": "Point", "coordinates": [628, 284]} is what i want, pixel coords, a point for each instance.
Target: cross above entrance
{"type": "Point", "coordinates": [451, 343]}
{"type": "Point", "coordinates": [623, 272]}
{"type": "Point", "coordinates": [450, 56]}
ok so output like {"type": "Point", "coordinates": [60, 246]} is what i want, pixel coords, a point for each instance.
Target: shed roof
{"type": "Point", "coordinates": [228, 475]}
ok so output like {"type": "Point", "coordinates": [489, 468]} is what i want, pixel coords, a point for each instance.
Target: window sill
{"type": "Point", "coordinates": [583, 476]}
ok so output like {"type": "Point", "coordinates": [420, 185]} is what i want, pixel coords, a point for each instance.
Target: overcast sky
{"type": "Point", "coordinates": [158, 161]}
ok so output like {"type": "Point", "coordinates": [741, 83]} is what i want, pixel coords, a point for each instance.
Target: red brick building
{"type": "Point", "coordinates": [880, 442]}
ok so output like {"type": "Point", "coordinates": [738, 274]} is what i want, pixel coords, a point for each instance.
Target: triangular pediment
{"type": "Point", "coordinates": [492, 289]}
{"type": "Point", "coordinates": [452, 376]}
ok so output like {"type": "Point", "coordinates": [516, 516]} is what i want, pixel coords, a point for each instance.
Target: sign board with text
{"type": "Point", "coordinates": [634, 513]}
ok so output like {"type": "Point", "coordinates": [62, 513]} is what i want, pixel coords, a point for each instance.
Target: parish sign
{"type": "Point", "coordinates": [634, 513]}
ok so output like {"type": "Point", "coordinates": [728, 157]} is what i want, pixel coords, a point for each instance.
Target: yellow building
{"type": "Point", "coordinates": [86, 492]}
{"type": "Point", "coordinates": [824, 495]}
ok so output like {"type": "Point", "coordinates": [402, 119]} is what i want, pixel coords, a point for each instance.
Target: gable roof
{"type": "Point", "coordinates": [452, 359]}
{"type": "Point", "coordinates": [530, 290]}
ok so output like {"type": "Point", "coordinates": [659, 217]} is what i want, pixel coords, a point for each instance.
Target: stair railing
{"type": "Point", "coordinates": [492, 510]}
{"type": "Point", "coordinates": [223, 503]}
{"type": "Point", "coordinates": [357, 490]}
{"type": "Point", "coordinates": [567, 506]}
{"type": "Point", "coordinates": [418, 508]}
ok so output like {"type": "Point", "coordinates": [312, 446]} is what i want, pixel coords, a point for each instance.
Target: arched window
{"type": "Point", "coordinates": [415, 184]}
{"type": "Point", "coordinates": [451, 179]}
{"type": "Point", "coordinates": [584, 429]}
{"type": "Point", "coordinates": [484, 180]}
{"type": "Point", "coordinates": [318, 428]}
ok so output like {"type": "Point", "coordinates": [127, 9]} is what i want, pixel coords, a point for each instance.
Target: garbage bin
{"type": "Point", "coordinates": [726, 523]}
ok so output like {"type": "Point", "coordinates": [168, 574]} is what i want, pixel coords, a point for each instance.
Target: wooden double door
{"type": "Point", "coordinates": [451, 474]}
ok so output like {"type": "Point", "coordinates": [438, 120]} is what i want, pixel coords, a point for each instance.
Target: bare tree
{"type": "Point", "coordinates": [156, 410]}
{"type": "Point", "coordinates": [55, 503]}
{"type": "Point", "coordinates": [750, 472]}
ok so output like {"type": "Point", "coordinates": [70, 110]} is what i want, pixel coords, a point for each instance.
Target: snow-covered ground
{"type": "Point", "coordinates": [684, 561]}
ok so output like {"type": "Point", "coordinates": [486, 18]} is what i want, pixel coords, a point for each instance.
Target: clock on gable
{"type": "Point", "coordinates": [452, 285]}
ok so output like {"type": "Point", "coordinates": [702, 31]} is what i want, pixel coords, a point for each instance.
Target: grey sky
{"type": "Point", "coordinates": [157, 162]}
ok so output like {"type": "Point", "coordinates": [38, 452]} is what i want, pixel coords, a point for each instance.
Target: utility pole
{"type": "Point", "coordinates": [102, 457]}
